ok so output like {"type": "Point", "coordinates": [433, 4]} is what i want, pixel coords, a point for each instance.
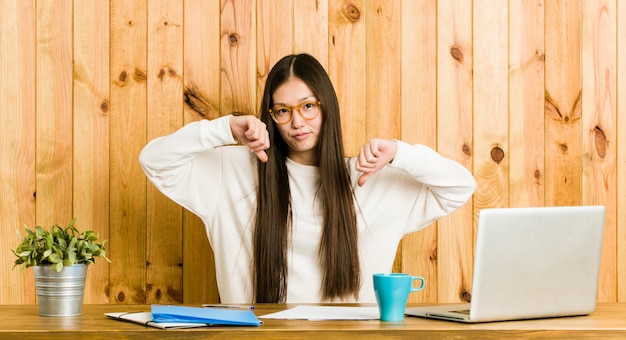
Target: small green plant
{"type": "Point", "coordinates": [60, 246]}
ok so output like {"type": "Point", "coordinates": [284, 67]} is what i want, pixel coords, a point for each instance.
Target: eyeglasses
{"type": "Point", "coordinates": [283, 114]}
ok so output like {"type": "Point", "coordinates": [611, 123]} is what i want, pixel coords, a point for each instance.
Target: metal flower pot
{"type": "Point", "coordinates": [60, 293]}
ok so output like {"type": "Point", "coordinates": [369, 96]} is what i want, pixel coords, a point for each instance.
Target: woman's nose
{"type": "Point", "coordinates": [296, 120]}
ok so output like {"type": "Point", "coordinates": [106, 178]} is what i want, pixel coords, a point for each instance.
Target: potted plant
{"type": "Point", "coordinates": [60, 257]}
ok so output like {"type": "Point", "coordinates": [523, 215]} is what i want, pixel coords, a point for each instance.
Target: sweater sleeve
{"type": "Point", "coordinates": [419, 186]}
{"type": "Point", "coordinates": [182, 165]}
{"type": "Point", "coordinates": [450, 183]}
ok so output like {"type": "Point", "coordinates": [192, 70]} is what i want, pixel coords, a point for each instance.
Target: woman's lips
{"type": "Point", "coordinates": [300, 136]}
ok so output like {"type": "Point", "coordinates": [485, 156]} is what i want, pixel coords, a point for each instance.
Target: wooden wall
{"type": "Point", "coordinates": [524, 93]}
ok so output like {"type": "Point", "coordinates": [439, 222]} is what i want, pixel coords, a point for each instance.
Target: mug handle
{"type": "Point", "coordinates": [417, 289]}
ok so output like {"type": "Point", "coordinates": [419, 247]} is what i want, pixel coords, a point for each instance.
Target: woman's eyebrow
{"type": "Point", "coordinates": [303, 99]}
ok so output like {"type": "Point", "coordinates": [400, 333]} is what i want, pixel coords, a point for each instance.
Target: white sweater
{"type": "Point", "coordinates": [219, 184]}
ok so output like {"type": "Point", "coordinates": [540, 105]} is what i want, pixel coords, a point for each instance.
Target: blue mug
{"type": "Point", "coordinates": [392, 293]}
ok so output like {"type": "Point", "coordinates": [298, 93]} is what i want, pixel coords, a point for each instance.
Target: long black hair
{"type": "Point", "coordinates": [338, 250]}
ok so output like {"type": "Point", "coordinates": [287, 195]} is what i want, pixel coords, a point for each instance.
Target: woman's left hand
{"type": "Point", "coordinates": [374, 155]}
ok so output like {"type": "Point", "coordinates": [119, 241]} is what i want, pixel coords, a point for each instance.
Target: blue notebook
{"type": "Point", "coordinates": [212, 316]}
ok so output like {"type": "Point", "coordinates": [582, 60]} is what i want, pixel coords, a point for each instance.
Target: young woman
{"type": "Point", "coordinates": [289, 217]}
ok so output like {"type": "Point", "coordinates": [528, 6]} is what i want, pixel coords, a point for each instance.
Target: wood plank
{"type": "Point", "coordinates": [562, 103]}
{"type": "Point", "coordinates": [346, 67]}
{"type": "Point", "coordinates": [201, 97]}
{"type": "Point", "coordinates": [599, 130]}
{"type": "Point", "coordinates": [91, 133]}
{"type": "Point", "coordinates": [491, 120]}
{"type": "Point", "coordinates": [54, 112]}
{"type": "Point", "coordinates": [621, 155]}
{"type": "Point", "coordinates": [238, 72]}
{"type": "Point", "coordinates": [17, 144]}
{"type": "Point", "coordinates": [311, 30]}
{"type": "Point", "coordinates": [419, 126]}
{"type": "Point", "coordinates": [128, 136]}
{"type": "Point", "coordinates": [454, 117]}
{"type": "Point", "coordinates": [164, 253]}
{"type": "Point", "coordinates": [383, 77]}
{"type": "Point", "coordinates": [526, 108]}
{"type": "Point", "coordinates": [275, 39]}
{"type": "Point", "coordinates": [491, 106]}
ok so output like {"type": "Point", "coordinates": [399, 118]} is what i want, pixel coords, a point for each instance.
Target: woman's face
{"type": "Point", "coordinates": [301, 135]}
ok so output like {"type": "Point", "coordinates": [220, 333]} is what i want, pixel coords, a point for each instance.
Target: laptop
{"type": "Point", "coordinates": [531, 263]}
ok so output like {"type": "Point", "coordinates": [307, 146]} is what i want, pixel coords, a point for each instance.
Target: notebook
{"type": "Point", "coordinates": [531, 263]}
{"type": "Point", "coordinates": [176, 316]}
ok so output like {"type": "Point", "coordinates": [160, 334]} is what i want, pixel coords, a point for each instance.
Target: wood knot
{"type": "Point", "coordinates": [167, 71]}
{"type": "Point", "coordinates": [122, 78]}
{"type": "Point", "coordinates": [196, 102]}
{"type": "Point", "coordinates": [456, 53]}
{"type": "Point", "coordinates": [432, 257]}
{"type": "Point", "coordinates": [600, 140]}
{"type": "Point", "coordinates": [139, 76]}
{"type": "Point", "coordinates": [497, 154]}
{"type": "Point", "coordinates": [233, 38]}
{"type": "Point", "coordinates": [104, 106]}
{"type": "Point", "coordinates": [540, 55]}
{"type": "Point", "coordinates": [467, 150]}
{"type": "Point", "coordinates": [466, 296]}
{"type": "Point", "coordinates": [158, 294]}
{"type": "Point", "coordinates": [563, 147]}
{"type": "Point", "coordinates": [537, 174]}
{"type": "Point", "coordinates": [352, 12]}
{"type": "Point", "coordinates": [174, 294]}
{"type": "Point", "coordinates": [121, 297]}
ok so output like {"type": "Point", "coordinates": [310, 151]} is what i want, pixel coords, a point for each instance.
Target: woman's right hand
{"type": "Point", "coordinates": [252, 132]}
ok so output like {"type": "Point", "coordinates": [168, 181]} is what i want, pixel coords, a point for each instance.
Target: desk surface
{"type": "Point", "coordinates": [23, 322]}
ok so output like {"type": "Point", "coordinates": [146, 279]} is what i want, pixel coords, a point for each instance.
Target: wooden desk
{"type": "Point", "coordinates": [23, 322]}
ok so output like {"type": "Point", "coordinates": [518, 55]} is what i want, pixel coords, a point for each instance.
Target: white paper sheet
{"type": "Point", "coordinates": [326, 313]}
